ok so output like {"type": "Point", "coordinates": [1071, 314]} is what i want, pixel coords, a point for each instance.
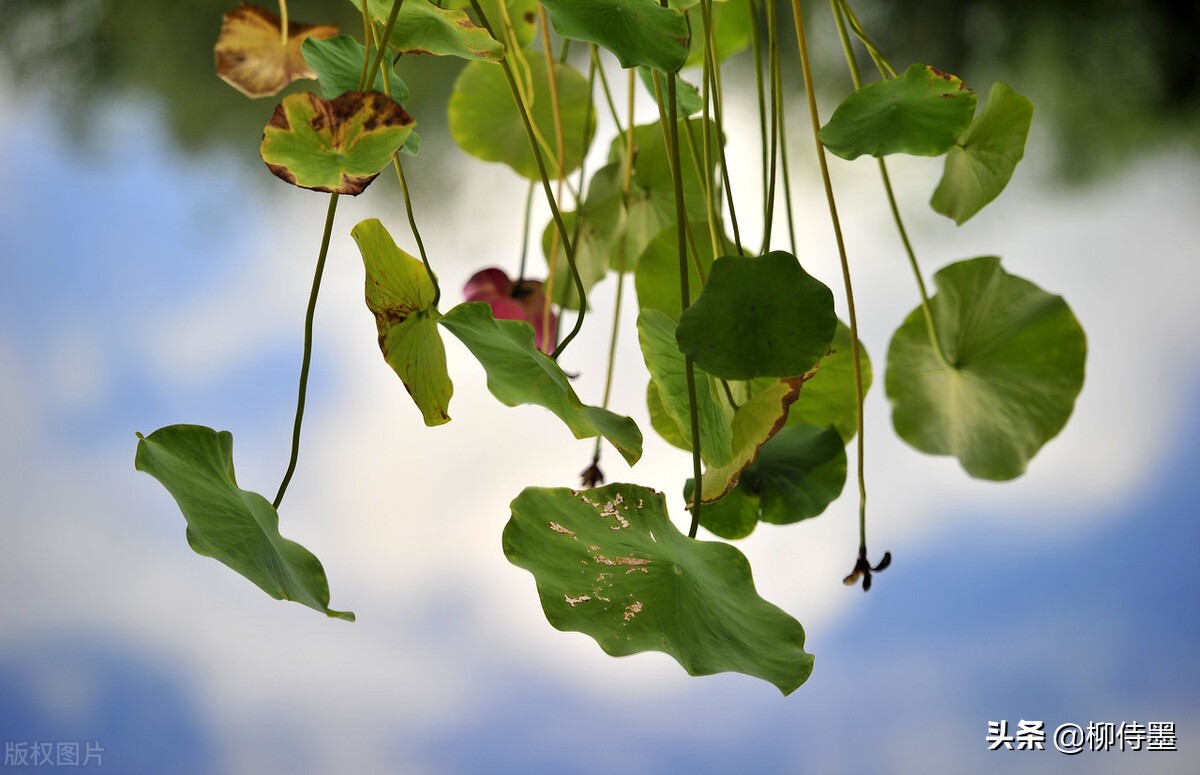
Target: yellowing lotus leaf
{"type": "Point", "coordinates": [337, 145]}
{"type": "Point", "coordinates": [254, 57]}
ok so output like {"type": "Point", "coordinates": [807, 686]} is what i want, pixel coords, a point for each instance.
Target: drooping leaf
{"type": "Point", "coordinates": [609, 563]}
{"type": "Point", "coordinates": [338, 64]}
{"type": "Point", "coordinates": [337, 145]}
{"type": "Point", "coordinates": [638, 32]}
{"type": "Point", "coordinates": [797, 473]}
{"type": "Point", "coordinates": [252, 55]}
{"type": "Point", "coordinates": [400, 294]}
{"type": "Point", "coordinates": [656, 333]}
{"type": "Point", "coordinates": [485, 122]}
{"type": "Point", "coordinates": [519, 374]}
{"type": "Point", "coordinates": [920, 113]}
{"type": "Point", "coordinates": [754, 423]}
{"type": "Point", "coordinates": [423, 28]}
{"type": "Point", "coordinates": [758, 317]}
{"type": "Point", "coordinates": [828, 396]}
{"type": "Point", "coordinates": [522, 13]}
{"type": "Point", "coordinates": [1016, 358]}
{"type": "Point", "coordinates": [981, 163]}
{"type": "Point", "coordinates": [234, 526]}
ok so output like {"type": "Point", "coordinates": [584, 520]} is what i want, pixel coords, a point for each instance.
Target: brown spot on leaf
{"type": "Point", "coordinates": [946, 77]}
{"type": "Point", "coordinates": [333, 120]}
{"type": "Point", "coordinates": [282, 172]}
{"type": "Point", "coordinates": [279, 119]}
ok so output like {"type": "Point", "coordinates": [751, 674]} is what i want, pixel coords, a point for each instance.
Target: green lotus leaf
{"type": "Point", "coordinates": [652, 167]}
{"type": "Point", "coordinates": [1016, 357]}
{"type": "Point", "coordinates": [981, 163]}
{"type": "Point", "coordinates": [337, 145]}
{"type": "Point", "coordinates": [522, 14]}
{"type": "Point", "coordinates": [591, 257]}
{"type": "Point", "coordinates": [797, 473]}
{"type": "Point", "coordinates": [920, 113]}
{"type": "Point", "coordinates": [338, 63]}
{"type": "Point", "coordinates": [400, 294]}
{"type": "Point", "coordinates": [609, 563]}
{"type": "Point", "coordinates": [423, 28]}
{"type": "Point", "coordinates": [731, 30]}
{"type": "Point", "coordinates": [595, 229]}
{"type": "Point", "coordinates": [646, 218]}
{"type": "Point", "coordinates": [638, 32]}
{"type": "Point", "coordinates": [732, 517]}
{"type": "Point", "coordinates": [519, 374]}
{"type": "Point", "coordinates": [662, 421]}
{"type": "Point", "coordinates": [758, 317]}
{"type": "Point", "coordinates": [657, 275]}
{"type": "Point", "coordinates": [485, 122]}
{"type": "Point", "coordinates": [656, 333]}
{"type": "Point", "coordinates": [754, 423]}
{"type": "Point", "coordinates": [234, 526]}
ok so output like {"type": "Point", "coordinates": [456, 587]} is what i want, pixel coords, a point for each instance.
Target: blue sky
{"type": "Point", "coordinates": [144, 289]}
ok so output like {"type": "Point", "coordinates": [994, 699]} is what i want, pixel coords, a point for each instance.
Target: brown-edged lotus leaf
{"type": "Point", "coordinates": [253, 56]}
{"type": "Point", "coordinates": [337, 145]}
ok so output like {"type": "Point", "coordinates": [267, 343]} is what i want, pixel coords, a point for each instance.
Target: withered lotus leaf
{"type": "Point", "coordinates": [253, 56]}
{"type": "Point", "coordinates": [337, 145]}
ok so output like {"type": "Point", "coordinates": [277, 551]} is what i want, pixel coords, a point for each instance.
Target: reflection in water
{"type": "Point", "coordinates": [1112, 78]}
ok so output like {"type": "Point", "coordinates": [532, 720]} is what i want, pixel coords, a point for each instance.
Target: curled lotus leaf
{"type": "Point", "coordinates": [983, 159]}
{"type": "Point", "coordinates": [337, 145]}
{"type": "Point", "coordinates": [254, 57]}
{"type": "Point", "coordinates": [236, 527]}
{"type": "Point", "coordinates": [522, 13]}
{"type": "Point", "coordinates": [423, 28]}
{"type": "Point", "coordinates": [399, 293]}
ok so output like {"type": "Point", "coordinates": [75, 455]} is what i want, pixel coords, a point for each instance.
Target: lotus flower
{"type": "Point", "coordinates": [523, 300]}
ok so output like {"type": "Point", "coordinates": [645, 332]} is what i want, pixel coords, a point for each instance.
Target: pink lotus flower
{"type": "Point", "coordinates": [513, 301]}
